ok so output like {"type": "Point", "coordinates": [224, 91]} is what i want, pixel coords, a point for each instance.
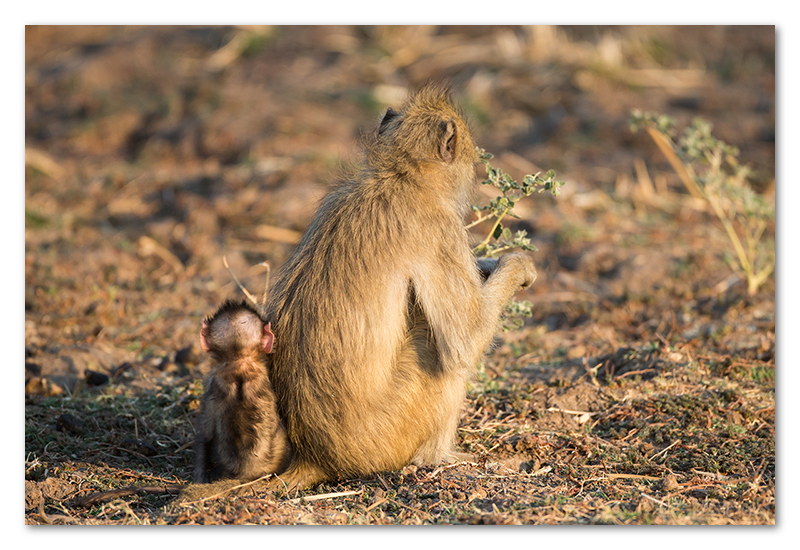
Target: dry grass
{"type": "Point", "coordinates": [672, 448]}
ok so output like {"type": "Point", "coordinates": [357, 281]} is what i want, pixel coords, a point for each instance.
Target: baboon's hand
{"type": "Point", "coordinates": [522, 265]}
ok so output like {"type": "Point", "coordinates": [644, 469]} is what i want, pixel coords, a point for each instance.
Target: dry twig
{"type": "Point", "coordinates": [239, 284]}
{"type": "Point", "coordinates": [105, 496]}
{"type": "Point", "coordinates": [312, 498]}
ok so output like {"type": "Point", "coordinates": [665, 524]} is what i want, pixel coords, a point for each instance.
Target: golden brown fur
{"type": "Point", "coordinates": [381, 313]}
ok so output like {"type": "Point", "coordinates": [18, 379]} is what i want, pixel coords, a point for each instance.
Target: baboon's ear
{"type": "Point", "coordinates": [267, 339]}
{"type": "Point", "coordinates": [387, 118]}
{"type": "Point", "coordinates": [203, 337]}
{"type": "Point", "coordinates": [447, 145]}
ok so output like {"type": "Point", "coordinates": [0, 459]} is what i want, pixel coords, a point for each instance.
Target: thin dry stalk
{"type": "Point", "coordinates": [240, 285]}
{"type": "Point", "coordinates": [666, 449]}
{"type": "Point", "coordinates": [266, 282]}
{"type": "Point", "coordinates": [666, 146]}
{"type": "Point", "coordinates": [325, 496]}
{"type": "Point", "coordinates": [250, 297]}
{"type": "Point", "coordinates": [648, 497]}
{"type": "Point", "coordinates": [631, 476]}
{"type": "Point", "coordinates": [49, 519]}
{"type": "Point", "coordinates": [42, 162]}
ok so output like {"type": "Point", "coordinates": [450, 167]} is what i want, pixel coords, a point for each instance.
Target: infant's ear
{"type": "Point", "coordinates": [204, 337]}
{"type": "Point", "coordinates": [267, 339]}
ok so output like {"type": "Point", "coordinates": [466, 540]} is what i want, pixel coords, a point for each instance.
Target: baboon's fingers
{"type": "Point", "coordinates": [521, 265]}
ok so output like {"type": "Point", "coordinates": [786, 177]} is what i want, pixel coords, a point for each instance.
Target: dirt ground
{"type": "Point", "coordinates": [641, 391]}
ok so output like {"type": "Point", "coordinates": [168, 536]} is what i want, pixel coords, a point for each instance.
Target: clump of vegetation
{"type": "Point", "coordinates": [500, 239]}
{"type": "Point", "coordinates": [710, 170]}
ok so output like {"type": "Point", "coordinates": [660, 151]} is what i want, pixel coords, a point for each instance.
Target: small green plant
{"type": "Point", "coordinates": [710, 170]}
{"type": "Point", "coordinates": [500, 239]}
{"type": "Point", "coordinates": [503, 205]}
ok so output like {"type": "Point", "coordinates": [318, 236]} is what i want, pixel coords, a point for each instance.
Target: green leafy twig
{"type": "Point", "coordinates": [499, 238]}
{"type": "Point", "coordinates": [503, 205]}
{"type": "Point", "coordinates": [710, 170]}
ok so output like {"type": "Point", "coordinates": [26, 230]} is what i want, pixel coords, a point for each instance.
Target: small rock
{"type": "Point", "coordinates": [94, 378]}
{"type": "Point", "coordinates": [670, 483]}
{"type": "Point", "coordinates": [675, 357]}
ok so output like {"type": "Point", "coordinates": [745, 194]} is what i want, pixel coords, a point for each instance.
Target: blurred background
{"type": "Point", "coordinates": [153, 151]}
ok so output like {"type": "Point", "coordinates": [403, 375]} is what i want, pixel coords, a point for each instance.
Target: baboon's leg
{"type": "Point", "coordinates": [462, 322]}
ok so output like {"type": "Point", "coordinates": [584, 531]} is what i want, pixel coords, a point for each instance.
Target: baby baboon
{"type": "Point", "coordinates": [382, 312]}
{"type": "Point", "coordinates": [239, 433]}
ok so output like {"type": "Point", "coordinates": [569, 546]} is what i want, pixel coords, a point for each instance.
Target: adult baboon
{"type": "Point", "coordinates": [381, 313]}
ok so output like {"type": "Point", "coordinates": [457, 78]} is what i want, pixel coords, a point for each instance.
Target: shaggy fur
{"type": "Point", "coordinates": [381, 313]}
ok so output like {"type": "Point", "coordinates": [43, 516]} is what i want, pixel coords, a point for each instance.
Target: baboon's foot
{"type": "Point", "coordinates": [442, 457]}
{"type": "Point", "coordinates": [298, 476]}
{"type": "Point", "coordinates": [457, 456]}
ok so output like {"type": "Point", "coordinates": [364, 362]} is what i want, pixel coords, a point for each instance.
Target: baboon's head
{"type": "Point", "coordinates": [236, 329]}
{"type": "Point", "coordinates": [428, 131]}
